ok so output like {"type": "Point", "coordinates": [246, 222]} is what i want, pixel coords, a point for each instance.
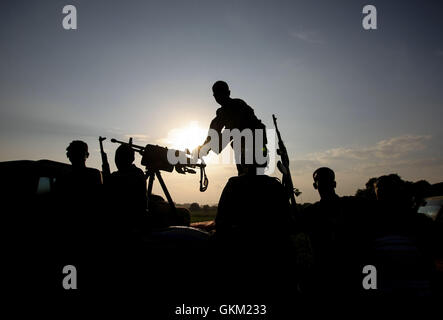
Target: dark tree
{"type": "Point", "coordinates": [369, 192]}
{"type": "Point", "coordinates": [194, 206]}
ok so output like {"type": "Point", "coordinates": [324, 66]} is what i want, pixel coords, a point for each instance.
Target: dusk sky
{"type": "Point", "coordinates": [363, 102]}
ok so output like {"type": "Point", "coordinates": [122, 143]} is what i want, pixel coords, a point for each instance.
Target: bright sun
{"type": "Point", "coordinates": [190, 137]}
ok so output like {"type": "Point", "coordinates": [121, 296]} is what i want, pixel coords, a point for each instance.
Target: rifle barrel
{"type": "Point", "coordinates": [134, 146]}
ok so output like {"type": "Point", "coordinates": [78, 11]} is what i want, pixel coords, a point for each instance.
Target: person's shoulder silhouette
{"type": "Point", "coordinates": [253, 205]}
{"type": "Point", "coordinates": [80, 179]}
{"type": "Point", "coordinates": [124, 158]}
{"type": "Point", "coordinates": [234, 113]}
{"type": "Point", "coordinates": [79, 195]}
{"type": "Point", "coordinates": [127, 186]}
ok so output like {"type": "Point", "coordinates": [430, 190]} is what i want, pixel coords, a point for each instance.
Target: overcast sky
{"type": "Point", "coordinates": [364, 103]}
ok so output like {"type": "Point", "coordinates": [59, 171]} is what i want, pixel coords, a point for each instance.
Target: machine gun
{"type": "Point", "coordinates": [105, 164]}
{"type": "Point", "coordinates": [283, 167]}
{"type": "Point", "coordinates": [155, 159]}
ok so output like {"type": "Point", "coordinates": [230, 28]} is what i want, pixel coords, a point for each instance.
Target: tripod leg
{"type": "Point", "coordinates": [150, 183]}
{"type": "Point", "coordinates": [165, 190]}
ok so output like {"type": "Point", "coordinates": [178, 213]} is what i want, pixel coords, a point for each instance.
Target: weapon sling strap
{"type": "Point", "coordinates": [203, 178]}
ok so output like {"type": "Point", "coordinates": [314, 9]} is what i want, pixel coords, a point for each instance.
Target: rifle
{"type": "Point", "coordinates": [105, 164]}
{"type": "Point", "coordinates": [283, 167]}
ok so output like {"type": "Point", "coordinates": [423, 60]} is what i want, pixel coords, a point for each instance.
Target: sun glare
{"type": "Point", "coordinates": [190, 137]}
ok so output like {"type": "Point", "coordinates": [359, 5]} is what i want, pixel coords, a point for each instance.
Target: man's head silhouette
{"type": "Point", "coordinates": [221, 92]}
{"type": "Point", "coordinates": [324, 182]}
{"type": "Point", "coordinates": [124, 157]}
{"type": "Point", "coordinates": [389, 188]}
{"type": "Point", "coordinates": [77, 153]}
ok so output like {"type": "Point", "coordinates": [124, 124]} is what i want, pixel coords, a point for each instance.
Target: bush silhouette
{"type": "Point", "coordinates": [194, 206]}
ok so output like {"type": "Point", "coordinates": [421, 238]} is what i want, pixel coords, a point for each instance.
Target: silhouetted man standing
{"type": "Point", "coordinates": [79, 194]}
{"type": "Point", "coordinates": [333, 228]}
{"type": "Point", "coordinates": [236, 114]}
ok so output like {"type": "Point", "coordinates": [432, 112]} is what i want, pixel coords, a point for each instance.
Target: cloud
{"type": "Point", "coordinates": [307, 36]}
{"type": "Point", "coordinates": [299, 166]}
{"type": "Point", "coordinates": [398, 154]}
{"type": "Point", "coordinates": [392, 148]}
{"type": "Point", "coordinates": [406, 155]}
{"type": "Point", "coordinates": [30, 124]}
{"type": "Point", "coordinates": [138, 137]}
{"type": "Point", "coordinates": [396, 147]}
{"type": "Point", "coordinates": [406, 164]}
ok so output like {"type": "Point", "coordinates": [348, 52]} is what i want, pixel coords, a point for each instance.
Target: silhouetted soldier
{"type": "Point", "coordinates": [253, 227]}
{"type": "Point", "coordinates": [127, 190]}
{"type": "Point", "coordinates": [77, 153]}
{"type": "Point", "coordinates": [402, 241]}
{"type": "Point", "coordinates": [253, 206]}
{"type": "Point", "coordinates": [333, 225]}
{"type": "Point", "coordinates": [79, 196]}
{"type": "Point", "coordinates": [236, 114]}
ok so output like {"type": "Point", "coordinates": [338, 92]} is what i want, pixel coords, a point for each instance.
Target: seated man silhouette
{"type": "Point", "coordinates": [333, 226]}
{"type": "Point", "coordinates": [79, 197]}
{"type": "Point", "coordinates": [236, 114]}
{"type": "Point", "coordinates": [127, 190]}
{"type": "Point", "coordinates": [252, 239]}
{"type": "Point", "coordinates": [395, 205]}
{"type": "Point", "coordinates": [80, 175]}
{"type": "Point", "coordinates": [403, 239]}
{"type": "Point", "coordinates": [253, 209]}
{"type": "Point", "coordinates": [128, 195]}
